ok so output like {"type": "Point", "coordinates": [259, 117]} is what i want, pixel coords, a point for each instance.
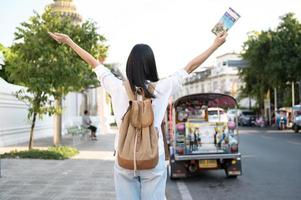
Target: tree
{"type": "Point", "coordinates": [286, 52]}
{"type": "Point", "coordinates": [256, 73]}
{"type": "Point", "coordinates": [48, 70]}
{"type": "Point", "coordinates": [274, 58]}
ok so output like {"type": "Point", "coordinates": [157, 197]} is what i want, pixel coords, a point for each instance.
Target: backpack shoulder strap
{"type": "Point", "coordinates": [128, 89]}
{"type": "Point", "coordinates": [166, 149]}
{"type": "Point", "coordinates": [152, 87]}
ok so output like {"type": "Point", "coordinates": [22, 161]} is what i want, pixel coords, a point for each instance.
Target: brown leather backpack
{"type": "Point", "coordinates": [138, 138]}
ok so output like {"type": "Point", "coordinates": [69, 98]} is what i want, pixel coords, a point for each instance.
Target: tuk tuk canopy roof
{"type": "Point", "coordinates": [208, 99]}
{"type": "Point", "coordinates": [297, 107]}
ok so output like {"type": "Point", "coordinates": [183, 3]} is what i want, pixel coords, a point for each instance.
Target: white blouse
{"type": "Point", "coordinates": [164, 89]}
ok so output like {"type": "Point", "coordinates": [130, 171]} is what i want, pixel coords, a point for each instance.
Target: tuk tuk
{"type": "Point", "coordinates": [201, 137]}
{"type": "Point", "coordinates": [283, 118]}
{"type": "Point", "coordinates": [296, 118]}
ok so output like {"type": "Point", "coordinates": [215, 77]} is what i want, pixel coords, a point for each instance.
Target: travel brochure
{"type": "Point", "coordinates": [226, 21]}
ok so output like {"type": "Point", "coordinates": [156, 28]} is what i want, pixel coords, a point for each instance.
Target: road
{"type": "Point", "coordinates": [271, 165]}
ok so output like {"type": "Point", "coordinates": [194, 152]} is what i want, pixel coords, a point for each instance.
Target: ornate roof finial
{"type": "Point", "coordinates": [66, 8]}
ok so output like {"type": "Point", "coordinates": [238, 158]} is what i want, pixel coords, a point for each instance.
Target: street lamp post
{"type": "Point", "coordinates": [293, 94]}
{"type": "Point", "coordinates": [275, 102]}
{"type": "Point", "coordinates": [299, 91]}
{"type": "Point", "coordinates": [293, 91]}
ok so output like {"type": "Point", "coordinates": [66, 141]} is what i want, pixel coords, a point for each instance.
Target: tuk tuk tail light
{"type": "Point", "coordinates": [234, 148]}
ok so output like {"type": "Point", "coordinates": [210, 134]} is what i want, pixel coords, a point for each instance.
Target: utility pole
{"type": "Point", "coordinates": [300, 92]}
{"type": "Point", "coordinates": [293, 93]}
{"type": "Point", "coordinates": [275, 103]}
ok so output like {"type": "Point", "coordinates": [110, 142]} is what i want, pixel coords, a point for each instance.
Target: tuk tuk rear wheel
{"type": "Point", "coordinates": [169, 172]}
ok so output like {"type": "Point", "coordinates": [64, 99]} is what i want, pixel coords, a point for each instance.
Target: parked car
{"type": "Point", "coordinates": [247, 118]}
{"type": "Point", "coordinates": [232, 114]}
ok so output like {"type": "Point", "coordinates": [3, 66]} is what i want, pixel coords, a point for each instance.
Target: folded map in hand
{"type": "Point", "coordinates": [226, 22]}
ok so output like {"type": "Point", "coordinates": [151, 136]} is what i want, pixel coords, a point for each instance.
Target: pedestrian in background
{"type": "Point", "coordinates": [87, 123]}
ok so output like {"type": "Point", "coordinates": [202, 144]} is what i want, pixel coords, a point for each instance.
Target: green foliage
{"type": "Point", "coordinates": [5, 53]}
{"type": "Point", "coordinates": [274, 58]}
{"type": "Point", "coordinates": [65, 151]}
{"type": "Point", "coordinates": [53, 153]}
{"type": "Point", "coordinates": [286, 51]}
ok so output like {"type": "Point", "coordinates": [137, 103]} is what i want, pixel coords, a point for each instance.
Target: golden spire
{"type": "Point", "coordinates": [66, 8]}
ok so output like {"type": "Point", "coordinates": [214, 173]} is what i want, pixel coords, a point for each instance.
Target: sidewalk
{"type": "Point", "coordinates": [266, 129]}
{"type": "Point", "coordinates": [87, 176]}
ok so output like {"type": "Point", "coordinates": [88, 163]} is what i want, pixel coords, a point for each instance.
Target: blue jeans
{"type": "Point", "coordinates": [146, 185]}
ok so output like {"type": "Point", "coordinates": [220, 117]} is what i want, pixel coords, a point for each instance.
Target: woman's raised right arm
{"type": "Point", "coordinates": [200, 59]}
{"type": "Point", "coordinates": [87, 57]}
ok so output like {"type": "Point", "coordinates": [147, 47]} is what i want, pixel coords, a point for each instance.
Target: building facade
{"type": "Point", "coordinates": [222, 77]}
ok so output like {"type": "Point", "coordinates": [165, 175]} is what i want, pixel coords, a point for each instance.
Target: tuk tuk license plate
{"type": "Point", "coordinates": [207, 164]}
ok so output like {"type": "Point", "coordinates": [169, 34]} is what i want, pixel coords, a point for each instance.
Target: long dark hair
{"type": "Point", "coordinates": [141, 68]}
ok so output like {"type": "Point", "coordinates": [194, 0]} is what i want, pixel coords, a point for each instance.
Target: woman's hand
{"type": "Point", "coordinates": [86, 56]}
{"type": "Point", "coordinates": [60, 38]}
{"type": "Point", "coordinates": [220, 39]}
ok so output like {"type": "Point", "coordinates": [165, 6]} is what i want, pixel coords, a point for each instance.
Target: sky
{"type": "Point", "coordinates": [177, 30]}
